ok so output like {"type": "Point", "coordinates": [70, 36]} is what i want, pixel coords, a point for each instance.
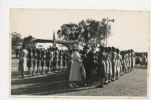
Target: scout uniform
{"type": "Point", "coordinates": [110, 65]}
{"type": "Point", "coordinates": [30, 60]}
{"type": "Point", "coordinates": [48, 61]}
{"type": "Point", "coordinates": [118, 65]}
{"type": "Point", "coordinates": [43, 61]}
{"type": "Point", "coordinates": [89, 66]}
{"type": "Point", "coordinates": [34, 61]}
{"type": "Point", "coordinates": [114, 63]}
{"type": "Point", "coordinates": [101, 67]}
{"type": "Point", "coordinates": [38, 62]}
{"type": "Point", "coordinates": [107, 67]}
{"type": "Point", "coordinates": [63, 60]}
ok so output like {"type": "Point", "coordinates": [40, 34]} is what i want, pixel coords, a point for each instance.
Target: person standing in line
{"type": "Point", "coordinates": [90, 67]}
{"type": "Point", "coordinates": [17, 52]}
{"type": "Point", "coordinates": [43, 61]}
{"type": "Point", "coordinates": [133, 59]}
{"type": "Point", "coordinates": [54, 59]}
{"type": "Point", "coordinates": [39, 62]}
{"type": "Point", "coordinates": [129, 58]}
{"type": "Point", "coordinates": [110, 64]}
{"type": "Point", "coordinates": [118, 64]}
{"type": "Point", "coordinates": [127, 62]}
{"type": "Point", "coordinates": [57, 58]}
{"type": "Point", "coordinates": [85, 62]}
{"type": "Point", "coordinates": [94, 60]}
{"type": "Point", "coordinates": [66, 62]}
{"type": "Point", "coordinates": [30, 61]}
{"type": "Point", "coordinates": [107, 66]}
{"type": "Point", "coordinates": [113, 60]}
{"type": "Point", "coordinates": [23, 61]}
{"type": "Point", "coordinates": [34, 62]}
{"type": "Point", "coordinates": [48, 60]}
{"type": "Point", "coordinates": [75, 75]}
{"type": "Point", "coordinates": [51, 60]}
{"type": "Point", "coordinates": [101, 67]}
{"type": "Point", "coordinates": [59, 61]}
{"type": "Point", "coordinates": [122, 62]}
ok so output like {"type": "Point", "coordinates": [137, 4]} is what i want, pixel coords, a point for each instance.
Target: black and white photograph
{"type": "Point", "coordinates": [79, 52]}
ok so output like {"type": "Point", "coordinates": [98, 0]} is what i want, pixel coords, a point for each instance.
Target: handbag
{"type": "Point", "coordinates": [82, 70]}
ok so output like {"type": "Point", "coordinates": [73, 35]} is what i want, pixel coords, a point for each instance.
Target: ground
{"type": "Point", "coordinates": [131, 84]}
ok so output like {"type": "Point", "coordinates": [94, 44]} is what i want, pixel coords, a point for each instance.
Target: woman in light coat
{"type": "Point", "coordinates": [75, 75]}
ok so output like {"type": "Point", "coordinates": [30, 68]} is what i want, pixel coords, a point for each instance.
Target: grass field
{"type": "Point", "coordinates": [132, 84]}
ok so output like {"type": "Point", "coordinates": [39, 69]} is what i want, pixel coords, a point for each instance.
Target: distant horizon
{"type": "Point", "coordinates": [129, 31]}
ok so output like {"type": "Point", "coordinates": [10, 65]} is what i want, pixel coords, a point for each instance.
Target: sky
{"type": "Point", "coordinates": [129, 31]}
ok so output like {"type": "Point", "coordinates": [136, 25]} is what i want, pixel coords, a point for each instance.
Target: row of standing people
{"type": "Point", "coordinates": [41, 61]}
{"type": "Point", "coordinates": [107, 64]}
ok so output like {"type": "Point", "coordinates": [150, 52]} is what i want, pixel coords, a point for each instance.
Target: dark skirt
{"type": "Point", "coordinates": [30, 63]}
{"type": "Point", "coordinates": [64, 62]}
{"type": "Point", "coordinates": [100, 71]}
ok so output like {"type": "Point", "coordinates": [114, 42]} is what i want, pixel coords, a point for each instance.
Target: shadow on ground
{"type": "Point", "coordinates": [43, 85]}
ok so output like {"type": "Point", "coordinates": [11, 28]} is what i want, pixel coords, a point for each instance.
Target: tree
{"type": "Point", "coordinates": [16, 39]}
{"type": "Point", "coordinates": [68, 32]}
{"type": "Point", "coordinates": [86, 32]}
{"type": "Point", "coordinates": [29, 41]}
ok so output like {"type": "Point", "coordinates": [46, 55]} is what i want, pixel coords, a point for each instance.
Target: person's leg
{"type": "Point", "coordinates": [38, 65]}
{"type": "Point", "coordinates": [109, 77]}
{"type": "Point", "coordinates": [49, 66]}
{"type": "Point", "coordinates": [22, 69]}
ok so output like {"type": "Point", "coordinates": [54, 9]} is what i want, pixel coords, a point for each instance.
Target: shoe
{"type": "Point", "coordinates": [71, 85]}
{"type": "Point", "coordinates": [85, 84]}
{"type": "Point", "coordinates": [76, 85]}
{"type": "Point", "coordinates": [38, 74]}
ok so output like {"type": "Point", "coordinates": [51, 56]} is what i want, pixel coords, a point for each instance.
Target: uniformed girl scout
{"type": "Point", "coordinates": [51, 57]}
{"type": "Point", "coordinates": [43, 61]}
{"type": "Point", "coordinates": [118, 64]}
{"type": "Point", "coordinates": [127, 62]}
{"type": "Point", "coordinates": [56, 60]}
{"type": "Point", "coordinates": [114, 63]}
{"type": "Point", "coordinates": [122, 62]}
{"type": "Point", "coordinates": [38, 61]}
{"type": "Point", "coordinates": [101, 67]}
{"type": "Point", "coordinates": [34, 61]}
{"type": "Point", "coordinates": [133, 59]}
{"type": "Point", "coordinates": [30, 61]}
{"type": "Point", "coordinates": [66, 58]}
{"type": "Point", "coordinates": [95, 61]}
{"type": "Point", "coordinates": [48, 59]}
{"type": "Point", "coordinates": [129, 58]}
{"type": "Point", "coordinates": [107, 66]}
{"type": "Point", "coordinates": [110, 65]}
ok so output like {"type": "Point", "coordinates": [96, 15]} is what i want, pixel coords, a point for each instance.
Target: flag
{"type": "Point", "coordinates": [54, 40]}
